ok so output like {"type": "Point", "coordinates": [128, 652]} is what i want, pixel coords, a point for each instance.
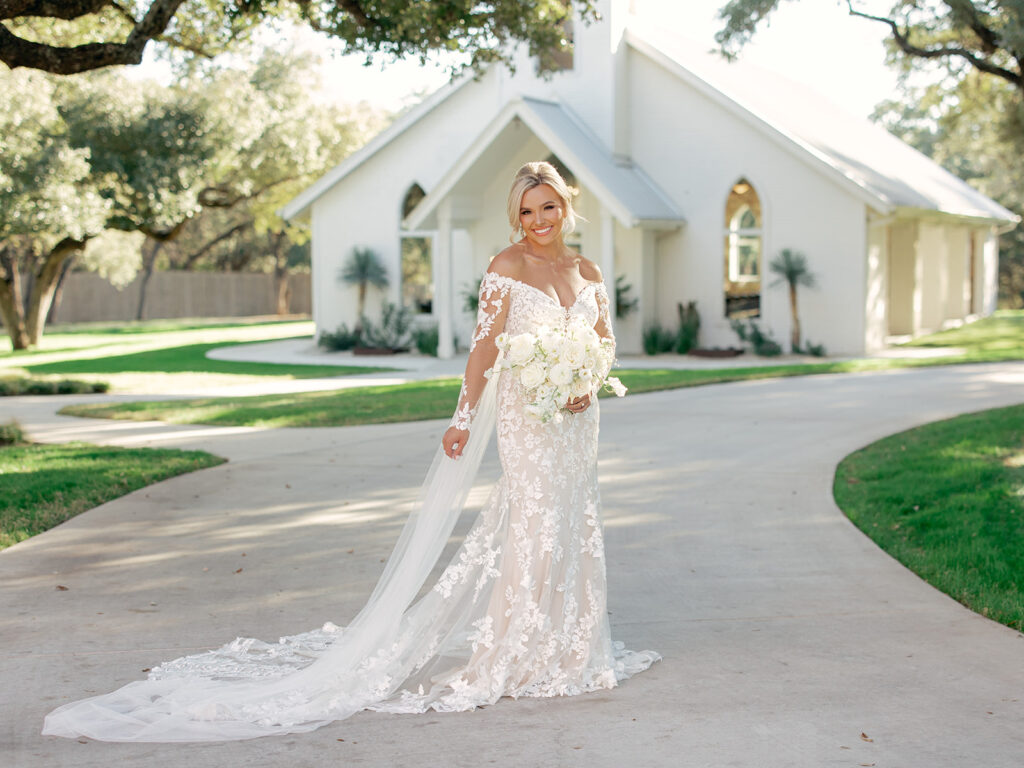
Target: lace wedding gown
{"type": "Point", "coordinates": [520, 610]}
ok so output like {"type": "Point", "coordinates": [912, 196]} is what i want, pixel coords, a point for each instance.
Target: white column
{"type": "Point", "coordinates": [443, 281]}
{"type": "Point", "coordinates": [608, 257]}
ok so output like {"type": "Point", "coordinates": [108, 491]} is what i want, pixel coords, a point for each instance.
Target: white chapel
{"type": "Point", "coordinates": [692, 174]}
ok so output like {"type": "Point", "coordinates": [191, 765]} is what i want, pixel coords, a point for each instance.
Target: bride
{"type": "Point", "coordinates": [521, 608]}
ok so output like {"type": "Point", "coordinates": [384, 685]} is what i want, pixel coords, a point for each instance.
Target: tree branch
{"type": "Point", "coordinates": [355, 9]}
{"type": "Point", "coordinates": [63, 60]}
{"type": "Point", "coordinates": [903, 41]}
{"type": "Point", "coordinates": [192, 258]}
{"type": "Point", "coordinates": [74, 9]}
{"type": "Point", "coordinates": [226, 197]}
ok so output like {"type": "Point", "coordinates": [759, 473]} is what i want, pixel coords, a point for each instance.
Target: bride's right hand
{"type": "Point", "coordinates": [454, 441]}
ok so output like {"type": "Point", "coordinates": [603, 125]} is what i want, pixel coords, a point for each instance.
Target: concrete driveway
{"type": "Point", "coordinates": [788, 638]}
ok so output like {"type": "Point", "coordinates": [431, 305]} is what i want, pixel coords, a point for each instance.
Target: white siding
{"type": "Point", "coordinates": [364, 208]}
{"type": "Point", "coordinates": [876, 307]}
{"type": "Point", "coordinates": [695, 151]}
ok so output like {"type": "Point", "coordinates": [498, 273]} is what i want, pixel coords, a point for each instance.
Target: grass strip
{"type": "Point", "coordinates": [947, 501]}
{"type": "Point", "coordinates": [417, 401]}
{"type": "Point", "coordinates": [41, 486]}
{"type": "Point", "coordinates": [414, 401]}
{"type": "Point", "coordinates": [190, 358]}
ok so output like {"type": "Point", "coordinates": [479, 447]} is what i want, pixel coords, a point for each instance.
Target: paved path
{"type": "Point", "coordinates": [786, 633]}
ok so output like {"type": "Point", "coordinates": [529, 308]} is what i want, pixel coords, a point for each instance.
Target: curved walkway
{"type": "Point", "coordinates": [788, 638]}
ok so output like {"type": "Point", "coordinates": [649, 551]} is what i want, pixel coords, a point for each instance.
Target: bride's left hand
{"type": "Point", "coordinates": [578, 404]}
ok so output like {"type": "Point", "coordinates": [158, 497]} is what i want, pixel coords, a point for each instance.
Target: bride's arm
{"type": "Point", "coordinates": [490, 321]}
{"type": "Point", "coordinates": [603, 326]}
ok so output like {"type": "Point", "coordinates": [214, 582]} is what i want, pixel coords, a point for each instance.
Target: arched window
{"type": "Point", "coordinates": [417, 268]}
{"type": "Point", "coordinates": [744, 245]}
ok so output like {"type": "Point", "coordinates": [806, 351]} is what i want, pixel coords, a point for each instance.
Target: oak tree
{"type": "Point", "coordinates": [80, 35]}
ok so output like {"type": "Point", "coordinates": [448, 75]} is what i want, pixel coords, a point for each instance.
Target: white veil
{"type": "Point", "coordinates": [248, 688]}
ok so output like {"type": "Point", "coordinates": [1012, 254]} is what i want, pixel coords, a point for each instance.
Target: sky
{"type": "Point", "coordinates": [814, 42]}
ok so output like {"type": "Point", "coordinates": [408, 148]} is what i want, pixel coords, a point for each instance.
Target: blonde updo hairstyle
{"type": "Point", "coordinates": [534, 175]}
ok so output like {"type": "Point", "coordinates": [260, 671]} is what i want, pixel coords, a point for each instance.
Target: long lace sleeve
{"type": "Point", "coordinates": [490, 321]}
{"type": "Point", "coordinates": [603, 326]}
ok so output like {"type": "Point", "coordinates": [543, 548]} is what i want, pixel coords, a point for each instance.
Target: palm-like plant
{"type": "Point", "coordinates": [363, 269]}
{"type": "Point", "coordinates": [791, 267]}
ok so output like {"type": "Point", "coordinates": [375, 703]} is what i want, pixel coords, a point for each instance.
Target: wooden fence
{"type": "Point", "coordinates": [89, 298]}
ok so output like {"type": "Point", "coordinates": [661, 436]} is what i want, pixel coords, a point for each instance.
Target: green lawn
{"type": "Point", "coordinates": [947, 501]}
{"type": "Point", "coordinates": [44, 485]}
{"type": "Point", "coordinates": [993, 339]}
{"type": "Point", "coordinates": [162, 356]}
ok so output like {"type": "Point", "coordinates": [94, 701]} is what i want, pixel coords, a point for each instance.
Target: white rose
{"type": "Point", "coordinates": [589, 361]}
{"type": "Point", "coordinates": [581, 387]}
{"type": "Point", "coordinates": [521, 348]}
{"type": "Point", "coordinates": [532, 375]}
{"type": "Point", "coordinates": [560, 375]}
{"type": "Point", "coordinates": [573, 353]}
{"type": "Point", "coordinates": [617, 386]}
{"type": "Point", "coordinates": [550, 342]}
{"type": "Point", "coordinates": [545, 392]}
{"type": "Point", "coordinates": [589, 337]}
{"type": "Point", "coordinates": [502, 341]}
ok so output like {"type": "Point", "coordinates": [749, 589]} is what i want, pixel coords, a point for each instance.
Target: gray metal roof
{"type": "Point", "coordinates": [621, 186]}
{"type": "Point", "coordinates": [897, 175]}
{"type": "Point", "coordinates": [583, 154]}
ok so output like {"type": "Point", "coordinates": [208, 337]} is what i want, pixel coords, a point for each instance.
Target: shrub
{"type": "Point", "coordinates": [471, 296]}
{"type": "Point", "coordinates": [814, 350]}
{"type": "Point", "coordinates": [762, 343]}
{"type": "Point", "coordinates": [625, 304]}
{"type": "Point", "coordinates": [393, 331]}
{"type": "Point", "coordinates": [13, 386]}
{"type": "Point", "coordinates": [11, 434]}
{"type": "Point", "coordinates": [425, 340]}
{"type": "Point", "coordinates": [689, 327]}
{"type": "Point", "coordinates": [658, 339]}
{"type": "Point", "coordinates": [341, 339]}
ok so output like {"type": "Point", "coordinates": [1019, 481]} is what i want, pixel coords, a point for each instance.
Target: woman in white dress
{"type": "Point", "coordinates": [521, 608]}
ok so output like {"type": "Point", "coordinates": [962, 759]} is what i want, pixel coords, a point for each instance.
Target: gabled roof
{"type": "Point", "coordinates": [864, 157]}
{"type": "Point", "coordinates": [622, 187]}
{"type": "Point", "coordinates": [301, 202]}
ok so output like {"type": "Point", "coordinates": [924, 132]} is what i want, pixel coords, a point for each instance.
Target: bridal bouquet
{"type": "Point", "coordinates": [555, 365]}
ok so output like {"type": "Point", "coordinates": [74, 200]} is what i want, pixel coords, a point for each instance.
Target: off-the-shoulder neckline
{"type": "Point", "coordinates": [589, 284]}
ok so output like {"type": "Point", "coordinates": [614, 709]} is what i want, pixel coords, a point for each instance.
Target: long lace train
{"type": "Point", "coordinates": [520, 610]}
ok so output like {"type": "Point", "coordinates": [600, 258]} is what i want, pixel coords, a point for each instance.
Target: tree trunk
{"type": "Point", "coordinates": [45, 283]}
{"type": "Point", "coordinates": [58, 292]}
{"type": "Point", "coordinates": [279, 245]}
{"type": "Point", "coordinates": [794, 340]}
{"type": "Point", "coordinates": [148, 261]}
{"type": "Point", "coordinates": [362, 307]}
{"type": "Point", "coordinates": [11, 306]}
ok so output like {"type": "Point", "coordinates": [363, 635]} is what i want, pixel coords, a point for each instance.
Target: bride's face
{"type": "Point", "coordinates": [541, 214]}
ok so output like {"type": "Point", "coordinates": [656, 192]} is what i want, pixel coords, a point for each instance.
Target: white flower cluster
{"type": "Point", "coordinates": [555, 366]}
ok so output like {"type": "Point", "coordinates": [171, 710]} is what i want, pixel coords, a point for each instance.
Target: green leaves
{"type": "Point", "coordinates": [45, 36]}
{"type": "Point", "coordinates": [43, 189]}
